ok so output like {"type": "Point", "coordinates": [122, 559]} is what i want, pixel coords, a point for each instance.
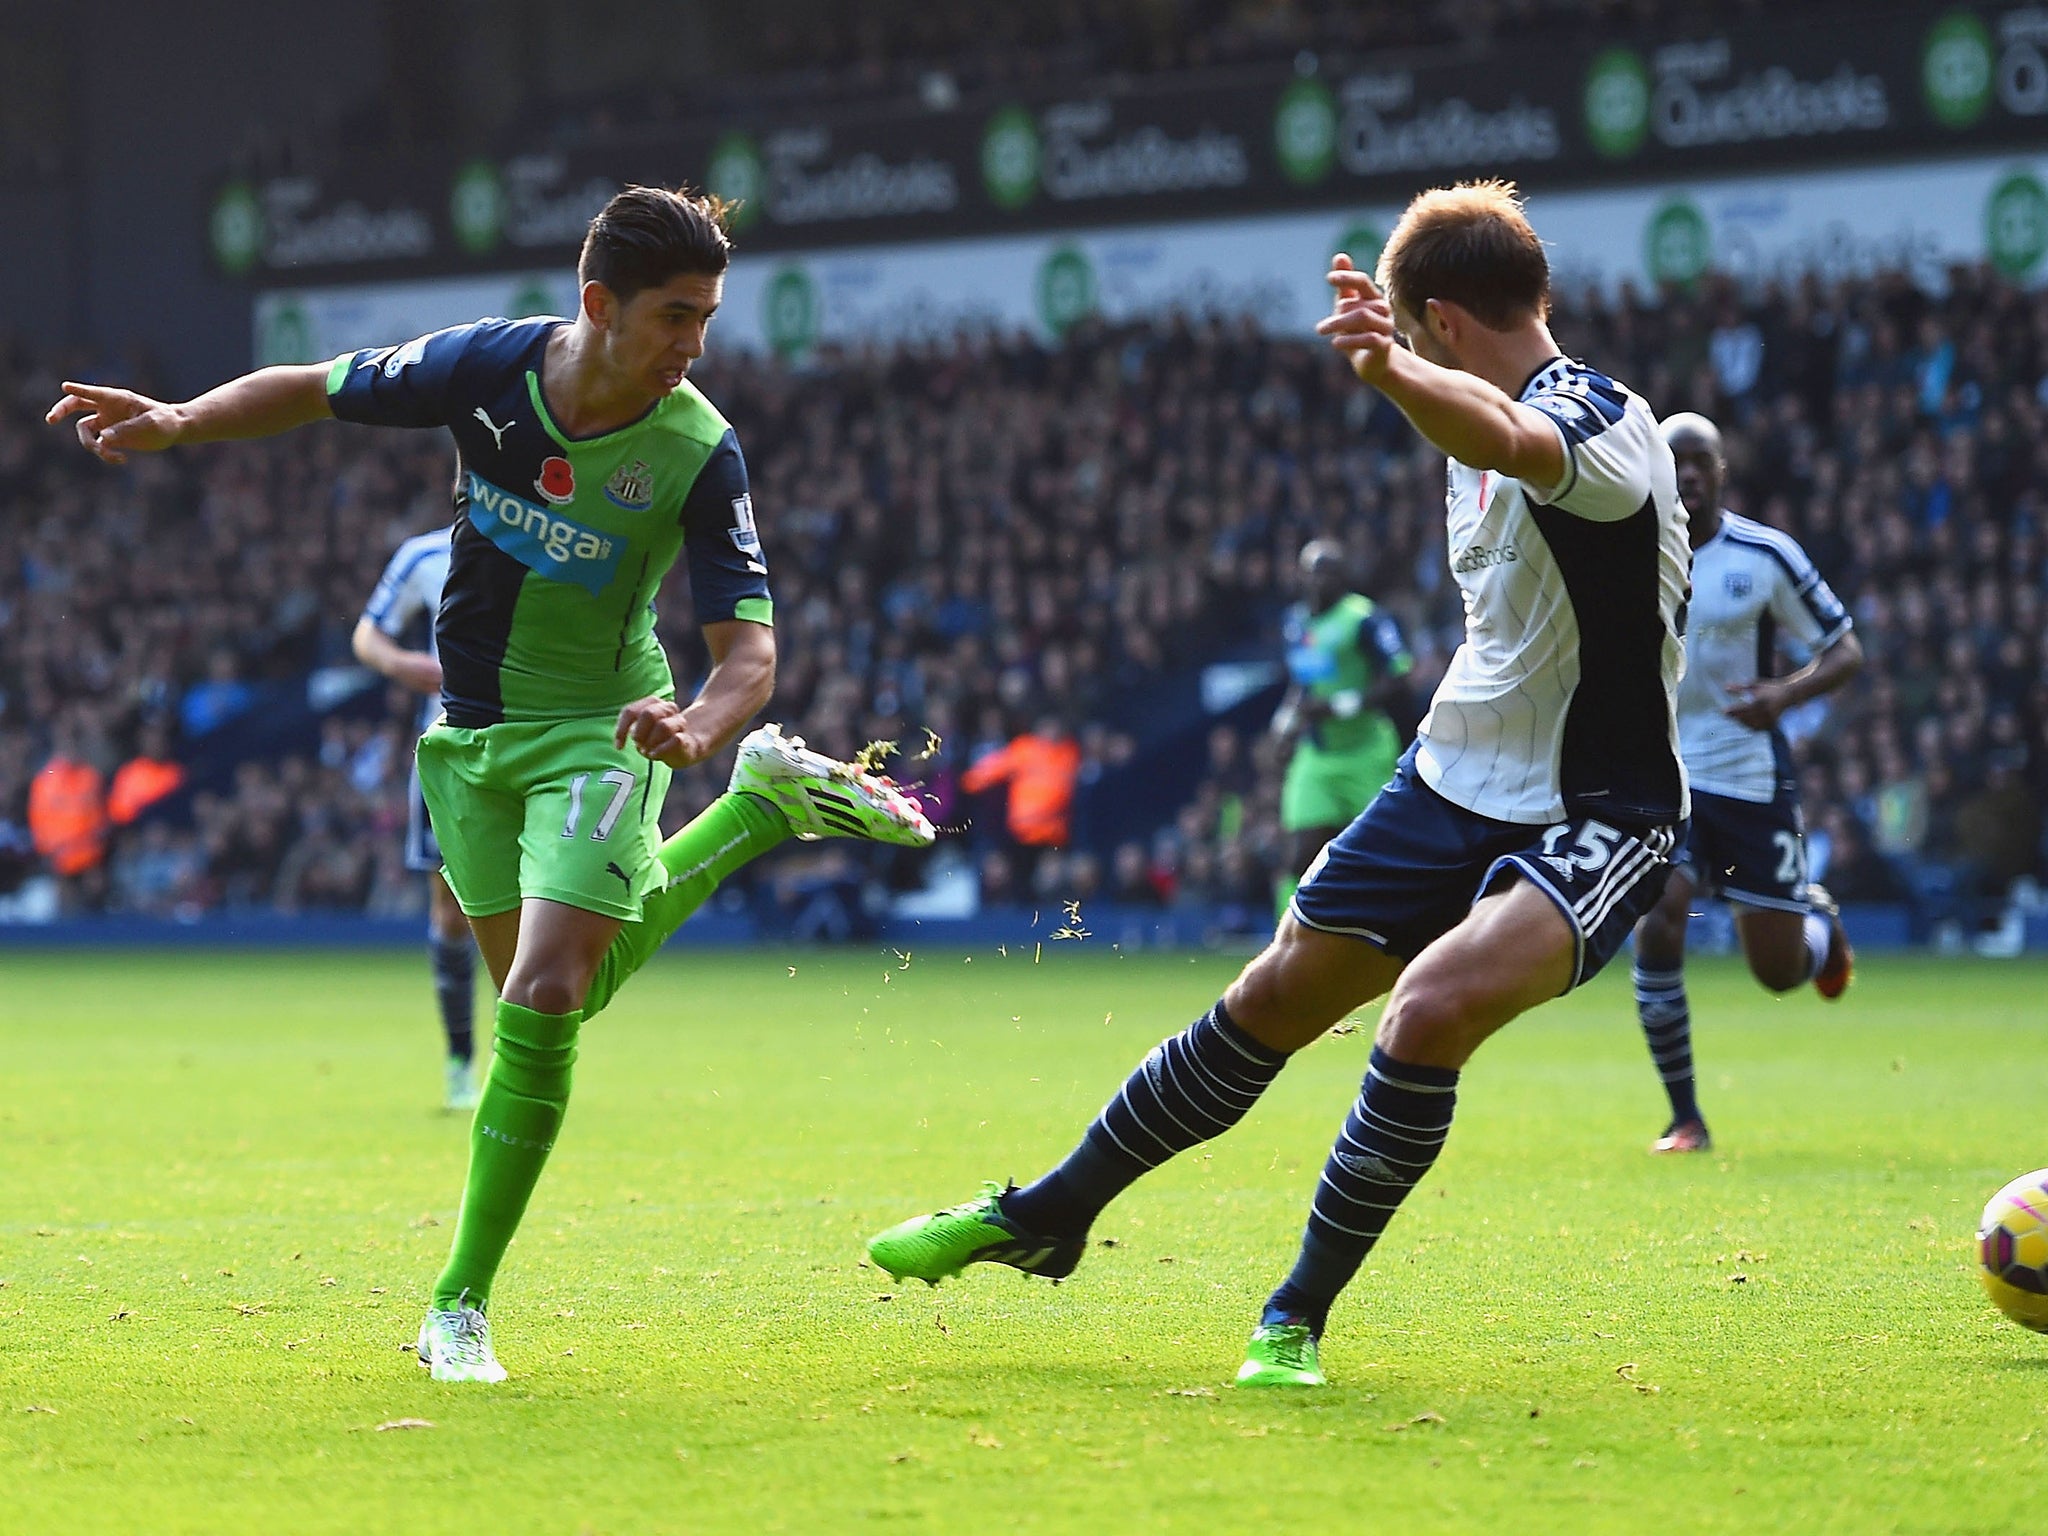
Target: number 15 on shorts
{"type": "Point", "coordinates": [622, 784]}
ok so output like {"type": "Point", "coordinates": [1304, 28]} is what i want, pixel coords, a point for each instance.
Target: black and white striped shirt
{"type": "Point", "coordinates": [1561, 700]}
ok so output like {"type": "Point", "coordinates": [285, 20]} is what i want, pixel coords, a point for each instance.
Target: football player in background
{"type": "Point", "coordinates": [1747, 843]}
{"type": "Point", "coordinates": [407, 597]}
{"type": "Point", "coordinates": [1347, 666]}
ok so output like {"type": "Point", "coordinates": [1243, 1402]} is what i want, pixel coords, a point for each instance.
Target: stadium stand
{"type": "Point", "coordinates": [966, 537]}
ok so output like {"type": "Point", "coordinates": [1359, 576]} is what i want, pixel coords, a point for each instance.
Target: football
{"type": "Point", "coordinates": [2012, 1250]}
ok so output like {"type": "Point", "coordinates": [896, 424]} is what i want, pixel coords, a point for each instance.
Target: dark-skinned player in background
{"type": "Point", "coordinates": [1747, 843]}
{"type": "Point", "coordinates": [1347, 669]}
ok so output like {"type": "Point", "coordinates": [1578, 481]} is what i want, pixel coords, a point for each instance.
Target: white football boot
{"type": "Point", "coordinates": [823, 797]}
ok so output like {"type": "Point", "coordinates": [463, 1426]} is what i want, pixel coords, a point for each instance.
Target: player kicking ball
{"type": "Point", "coordinates": [1747, 843]}
{"type": "Point", "coordinates": [588, 464]}
{"type": "Point", "coordinates": [1523, 834]}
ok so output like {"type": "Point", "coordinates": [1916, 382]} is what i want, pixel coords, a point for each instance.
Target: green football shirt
{"type": "Point", "coordinates": [560, 544]}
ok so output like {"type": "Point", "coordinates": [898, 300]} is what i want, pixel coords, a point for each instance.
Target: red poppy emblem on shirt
{"type": "Point", "coordinates": [557, 480]}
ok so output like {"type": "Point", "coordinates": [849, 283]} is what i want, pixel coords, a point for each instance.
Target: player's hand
{"type": "Point", "coordinates": [1758, 703]}
{"type": "Point", "coordinates": [662, 730]}
{"type": "Point", "coordinates": [418, 671]}
{"type": "Point", "coordinates": [1361, 322]}
{"type": "Point", "coordinates": [113, 423]}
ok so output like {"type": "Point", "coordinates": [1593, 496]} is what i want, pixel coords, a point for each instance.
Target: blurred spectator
{"type": "Point", "coordinates": [67, 811]}
{"type": "Point", "coordinates": [222, 697]}
{"type": "Point", "coordinates": [147, 779]}
{"type": "Point", "coordinates": [1040, 768]}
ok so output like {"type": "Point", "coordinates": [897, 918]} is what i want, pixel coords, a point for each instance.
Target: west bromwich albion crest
{"type": "Point", "coordinates": [632, 486]}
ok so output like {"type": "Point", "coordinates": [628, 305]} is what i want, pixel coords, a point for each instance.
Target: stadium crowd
{"type": "Point", "coordinates": [1017, 547]}
{"type": "Point", "coordinates": [786, 54]}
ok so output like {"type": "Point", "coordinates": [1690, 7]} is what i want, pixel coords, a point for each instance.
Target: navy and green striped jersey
{"type": "Point", "coordinates": [560, 543]}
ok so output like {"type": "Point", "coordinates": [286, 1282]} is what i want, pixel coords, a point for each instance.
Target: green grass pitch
{"type": "Point", "coordinates": [224, 1191]}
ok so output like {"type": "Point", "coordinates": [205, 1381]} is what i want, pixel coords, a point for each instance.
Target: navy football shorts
{"type": "Point", "coordinates": [1751, 854]}
{"type": "Point", "coordinates": [422, 853]}
{"type": "Point", "coordinates": [1410, 867]}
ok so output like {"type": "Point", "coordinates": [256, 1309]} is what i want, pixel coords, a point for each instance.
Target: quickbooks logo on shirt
{"type": "Point", "coordinates": [542, 540]}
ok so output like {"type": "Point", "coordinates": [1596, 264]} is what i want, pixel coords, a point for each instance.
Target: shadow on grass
{"type": "Point", "coordinates": [1082, 1382]}
{"type": "Point", "coordinates": [2036, 1365]}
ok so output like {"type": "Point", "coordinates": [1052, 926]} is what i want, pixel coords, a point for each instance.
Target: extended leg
{"type": "Point", "coordinates": [733, 830]}
{"type": "Point", "coordinates": [1191, 1088]}
{"type": "Point", "coordinates": [780, 789]}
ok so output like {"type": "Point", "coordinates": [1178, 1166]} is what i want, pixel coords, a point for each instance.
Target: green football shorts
{"type": "Point", "coordinates": [546, 808]}
{"type": "Point", "coordinates": [1328, 789]}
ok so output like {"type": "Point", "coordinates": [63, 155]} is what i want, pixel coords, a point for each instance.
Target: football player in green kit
{"type": "Point", "coordinates": [589, 464]}
{"type": "Point", "coordinates": [1348, 668]}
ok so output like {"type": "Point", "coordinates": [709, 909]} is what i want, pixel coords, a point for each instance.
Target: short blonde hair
{"type": "Point", "coordinates": [1469, 245]}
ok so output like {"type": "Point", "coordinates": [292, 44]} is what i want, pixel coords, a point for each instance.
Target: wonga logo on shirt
{"type": "Point", "coordinates": [560, 548]}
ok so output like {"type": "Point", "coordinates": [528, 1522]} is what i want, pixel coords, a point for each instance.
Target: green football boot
{"type": "Point", "coordinates": [1281, 1355]}
{"type": "Point", "coordinates": [823, 797]}
{"type": "Point", "coordinates": [930, 1248]}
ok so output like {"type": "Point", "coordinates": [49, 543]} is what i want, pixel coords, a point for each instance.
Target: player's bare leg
{"type": "Point", "coordinates": [1304, 982]}
{"type": "Point", "coordinates": [1789, 949]}
{"type": "Point", "coordinates": [1774, 944]}
{"type": "Point", "coordinates": [1666, 1013]}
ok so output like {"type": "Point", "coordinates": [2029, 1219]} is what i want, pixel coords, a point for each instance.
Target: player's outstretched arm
{"type": "Point", "coordinates": [741, 681]}
{"type": "Point", "coordinates": [1462, 414]}
{"type": "Point", "coordinates": [114, 423]}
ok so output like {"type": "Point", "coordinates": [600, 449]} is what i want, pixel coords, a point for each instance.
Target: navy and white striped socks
{"type": "Point", "coordinates": [1389, 1141]}
{"type": "Point", "coordinates": [1192, 1087]}
{"type": "Point", "coordinates": [1667, 1025]}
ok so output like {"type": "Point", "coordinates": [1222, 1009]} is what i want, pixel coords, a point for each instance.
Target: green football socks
{"type": "Point", "coordinates": [517, 1118]}
{"type": "Point", "coordinates": [734, 829]}
{"type": "Point", "coordinates": [527, 1092]}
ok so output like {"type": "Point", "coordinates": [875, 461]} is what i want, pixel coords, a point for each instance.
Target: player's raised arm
{"type": "Point", "coordinates": [1461, 411]}
{"type": "Point", "coordinates": [113, 423]}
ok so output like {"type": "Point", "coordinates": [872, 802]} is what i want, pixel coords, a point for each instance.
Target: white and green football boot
{"type": "Point", "coordinates": [462, 1090]}
{"type": "Point", "coordinates": [1281, 1355]}
{"type": "Point", "coordinates": [455, 1345]}
{"type": "Point", "coordinates": [823, 797]}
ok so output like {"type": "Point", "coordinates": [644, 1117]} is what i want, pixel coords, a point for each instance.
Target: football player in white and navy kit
{"type": "Point", "coordinates": [1750, 584]}
{"type": "Point", "coordinates": [1523, 834]}
{"type": "Point", "coordinates": [408, 596]}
